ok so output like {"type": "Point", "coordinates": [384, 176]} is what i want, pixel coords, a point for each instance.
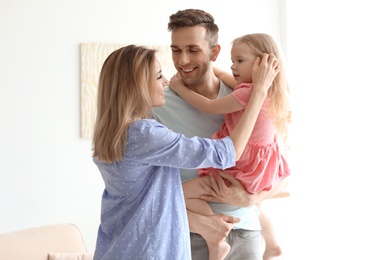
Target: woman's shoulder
{"type": "Point", "coordinates": [148, 130]}
{"type": "Point", "coordinates": [146, 126]}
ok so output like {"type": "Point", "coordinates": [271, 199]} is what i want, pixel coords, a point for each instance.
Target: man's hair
{"type": "Point", "coordinates": [195, 17]}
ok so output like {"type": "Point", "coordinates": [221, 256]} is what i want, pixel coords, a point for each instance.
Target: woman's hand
{"type": "Point", "coordinates": [264, 70]}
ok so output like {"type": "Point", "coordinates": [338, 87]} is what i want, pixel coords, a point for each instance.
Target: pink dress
{"type": "Point", "coordinates": [261, 164]}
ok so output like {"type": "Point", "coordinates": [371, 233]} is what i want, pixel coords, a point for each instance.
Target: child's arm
{"type": "Point", "coordinates": [224, 105]}
{"type": "Point", "coordinates": [225, 77]}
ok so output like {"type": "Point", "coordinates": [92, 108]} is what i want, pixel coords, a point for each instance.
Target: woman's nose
{"type": "Point", "coordinates": [166, 82]}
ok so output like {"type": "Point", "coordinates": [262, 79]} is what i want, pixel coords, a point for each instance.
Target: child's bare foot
{"type": "Point", "coordinates": [218, 251]}
{"type": "Point", "coordinates": [270, 253]}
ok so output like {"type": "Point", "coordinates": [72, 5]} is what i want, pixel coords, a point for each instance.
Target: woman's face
{"type": "Point", "coordinates": [156, 91]}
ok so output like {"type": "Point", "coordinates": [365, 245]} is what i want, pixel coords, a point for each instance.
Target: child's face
{"type": "Point", "coordinates": [243, 60]}
{"type": "Point", "coordinates": [156, 91]}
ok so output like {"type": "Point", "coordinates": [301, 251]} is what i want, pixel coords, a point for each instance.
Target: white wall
{"type": "Point", "coordinates": [338, 53]}
{"type": "Point", "coordinates": [47, 175]}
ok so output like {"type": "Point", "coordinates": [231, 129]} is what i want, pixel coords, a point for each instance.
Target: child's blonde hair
{"type": "Point", "coordinates": [278, 93]}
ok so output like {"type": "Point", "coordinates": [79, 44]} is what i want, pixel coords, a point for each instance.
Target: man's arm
{"type": "Point", "coordinates": [213, 228]}
{"type": "Point", "coordinates": [234, 194]}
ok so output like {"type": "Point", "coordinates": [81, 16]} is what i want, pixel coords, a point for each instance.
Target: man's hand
{"type": "Point", "coordinates": [213, 228]}
{"type": "Point", "coordinates": [234, 194]}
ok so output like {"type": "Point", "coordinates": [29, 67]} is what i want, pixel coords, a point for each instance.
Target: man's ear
{"type": "Point", "coordinates": [215, 52]}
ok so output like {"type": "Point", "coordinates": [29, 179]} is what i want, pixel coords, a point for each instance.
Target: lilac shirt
{"type": "Point", "coordinates": [143, 214]}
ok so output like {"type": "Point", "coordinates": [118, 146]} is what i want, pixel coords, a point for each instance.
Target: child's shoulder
{"type": "Point", "coordinates": [244, 86]}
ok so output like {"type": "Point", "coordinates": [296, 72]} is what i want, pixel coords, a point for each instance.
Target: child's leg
{"type": "Point", "coordinates": [272, 248]}
{"type": "Point", "coordinates": [192, 190]}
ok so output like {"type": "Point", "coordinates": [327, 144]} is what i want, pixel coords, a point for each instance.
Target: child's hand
{"type": "Point", "coordinates": [176, 83]}
{"type": "Point", "coordinates": [264, 70]}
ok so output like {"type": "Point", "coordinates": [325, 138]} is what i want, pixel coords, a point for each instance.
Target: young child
{"type": "Point", "coordinates": [143, 214]}
{"type": "Point", "coordinates": [262, 166]}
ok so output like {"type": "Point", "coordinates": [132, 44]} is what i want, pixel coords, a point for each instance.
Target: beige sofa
{"type": "Point", "coordinates": [51, 242]}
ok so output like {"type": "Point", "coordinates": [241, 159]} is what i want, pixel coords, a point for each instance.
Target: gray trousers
{"type": "Point", "coordinates": [245, 244]}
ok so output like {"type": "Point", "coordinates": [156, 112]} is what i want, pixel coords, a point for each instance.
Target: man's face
{"type": "Point", "coordinates": [191, 54]}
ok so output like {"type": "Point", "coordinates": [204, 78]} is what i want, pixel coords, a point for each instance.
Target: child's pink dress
{"type": "Point", "coordinates": [261, 164]}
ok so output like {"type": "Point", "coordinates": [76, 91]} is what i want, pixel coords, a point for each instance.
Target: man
{"type": "Point", "coordinates": [194, 48]}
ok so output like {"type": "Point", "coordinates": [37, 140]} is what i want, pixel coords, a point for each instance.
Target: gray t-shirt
{"type": "Point", "coordinates": [181, 117]}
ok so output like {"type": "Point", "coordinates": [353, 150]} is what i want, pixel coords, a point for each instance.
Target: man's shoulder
{"type": "Point", "coordinates": [173, 102]}
{"type": "Point", "coordinates": [224, 89]}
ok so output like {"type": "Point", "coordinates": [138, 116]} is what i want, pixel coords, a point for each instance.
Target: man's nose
{"type": "Point", "coordinates": [184, 58]}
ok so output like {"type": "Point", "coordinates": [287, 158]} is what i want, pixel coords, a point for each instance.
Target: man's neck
{"type": "Point", "coordinates": [208, 88]}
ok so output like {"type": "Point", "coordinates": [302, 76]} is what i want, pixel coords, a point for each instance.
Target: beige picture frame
{"type": "Point", "coordinates": [93, 56]}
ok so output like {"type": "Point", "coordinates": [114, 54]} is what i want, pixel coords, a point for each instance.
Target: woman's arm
{"type": "Point", "coordinates": [263, 73]}
{"type": "Point", "coordinates": [224, 105]}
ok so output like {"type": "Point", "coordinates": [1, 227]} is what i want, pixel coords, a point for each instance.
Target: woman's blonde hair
{"type": "Point", "coordinates": [123, 97]}
{"type": "Point", "coordinates": [279, 92]}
